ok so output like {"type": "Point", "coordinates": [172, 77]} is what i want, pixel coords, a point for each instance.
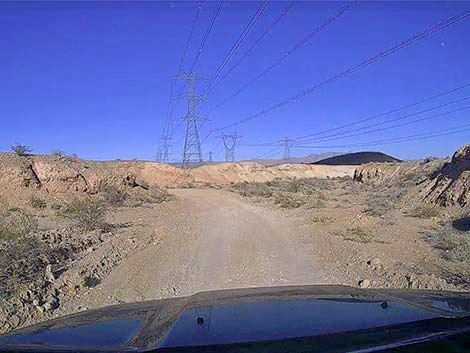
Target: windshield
{"type": "Point", "coordinates": [158, 149]}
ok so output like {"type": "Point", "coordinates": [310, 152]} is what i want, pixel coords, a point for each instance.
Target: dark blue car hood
{"type": "Point", "coordinates": [238, 316]}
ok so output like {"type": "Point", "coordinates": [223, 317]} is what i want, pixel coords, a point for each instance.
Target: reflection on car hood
{"type": "Point", "coordinates": [237, 316]}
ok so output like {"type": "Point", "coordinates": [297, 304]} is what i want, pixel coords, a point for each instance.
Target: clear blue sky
{"type": "Point", "coordinates": [93, 78]}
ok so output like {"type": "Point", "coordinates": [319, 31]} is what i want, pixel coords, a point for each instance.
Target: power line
{"type": "Point", "coordinates": [206, 34]}
{"type": "Point", "coordinates": [441, 25]}
{"type": "Point", "coordinates": [282, 142]}
{"type": "Point", "coordinates": [284, 13]}
{"type": "Point", "coordinates": [341, 134]}
{"type": "Point", "coordinates": [385, 113]}
{"type": "Point", "coordinates": [270, 153]}
{"type": "Point", "coordinates": [288, 53]}
{"type": "Point", "coordinates": [259, 12]}
{"type": "Point", "coordinates": [415, 137]}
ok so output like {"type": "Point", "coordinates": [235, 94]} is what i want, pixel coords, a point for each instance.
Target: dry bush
{"type": "Point", "coordinates": [356, 234]}
{"type": "Point", "coordinates": [454, 244]}
{"type": "Point", "coordinates": [253, 189]}
{"type": "Point", "coordinates": [321, 219]}
{"type": "Point", "coordinates": [22, 261]}
{"type": "Point", "coordinates": [58, 154]}
{"type": "Point", "coordinates": [154, 195]}
{"type": "Point", "coordinates": [314, 203]}
{"type": "Point", "coordinates": [37, 202]}
{"type": "Point", "coordinates": [286, 200]}
{"type": "Point", "coordinates": [16, 223]}
{"type": "Point", "coordinates": [421, 211]}
{"type": "Point", "coordinates": [86, 213]}
{"type": "Point", "coordinates": [377, 206]}
{"type": "Point", "coordinates": [21, 150]}
{"type": "Point", "coordinates": [21, 256]}
{"type": "Point", "coordinates": [114, 195]}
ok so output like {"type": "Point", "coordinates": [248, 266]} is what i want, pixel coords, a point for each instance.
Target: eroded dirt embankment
{"type": "Point", "coordinates": [438, 182]}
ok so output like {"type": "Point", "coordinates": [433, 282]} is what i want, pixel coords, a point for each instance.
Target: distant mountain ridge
{"type": "Point", "coordinates": [358, 158]}
{"type": "Point", "coordinates": [309, 159]}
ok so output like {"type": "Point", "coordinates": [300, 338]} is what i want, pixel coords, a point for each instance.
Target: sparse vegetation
{"type": "Point", "coordinates": [454, 244]}
{"type": "Point", "coordinates": [377, 206]}
{"type": "Point", "coordinates": [114, 195]}
{"type": "Point", "coordinates": [37, 202]}
{"type": "Point", "coordinates": [86, 213]}
{"type": "Point", "coordinates": [357, 234]}
{"type": "Point", "coordinates": [21, 256]}
{"type": "Point", "coordinates": [21, 150]}
{"type": "Point", "coordinates": [253, 189]}
{"type": "Point", "coordinates": [423, 211]}
{"type": "Point", "coordinates": [155, 195]}
{"type": "Point", "coordinates": [321, 219]}
{"type": "Point", "coordinates": [286, 200]}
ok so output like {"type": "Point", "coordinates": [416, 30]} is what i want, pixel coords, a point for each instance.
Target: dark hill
{"type": "Point", "coordinates": [358, 158]}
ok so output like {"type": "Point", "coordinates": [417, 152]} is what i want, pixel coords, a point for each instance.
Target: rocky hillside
{"type": "Point", "coordinates": [64, 177]}
{"type": "Point", "coordinates": [451, 185]}
{"type": "Point", "coordinates": [435, 181]}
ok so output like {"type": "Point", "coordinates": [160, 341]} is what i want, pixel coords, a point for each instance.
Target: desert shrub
{"type": "Point", "coordinates": [37, 202]}
{"type": "Point", "coordinates": [344, 179]}
{"type": "Point", "coordinates": [16, 223]}
{"type": "Point", "coordinates": [21, 150]}
{"type": "Point", "coordinates": [253, 189]}
{"type": "Point", "coordinates": [356, 234]}
{"type": "Point", "coordinates": [422, 211]}
{"type": "Point", "coordinates": [454, 244]}
{"type": "Point", "coordinates": [114, 195]}
{"type": "Point", "coordinates": [21, 256]}
{"type": "Point", "coordinates": [86, 213]}
{"type": "Point", "coordinates": [22, 261]}
{"type": "Point", "coordinates": [286, 200]}
{"type": "Point", "coordinates": [155, 195]}
{"type": "Point", "coordinates": [58, 154]}
{"type": "Point", "coordinates": [321, 219]}
{"type": "Point", "coordinates": [312, 202]}
{"type": "Point", "coordinates": [377, 206]}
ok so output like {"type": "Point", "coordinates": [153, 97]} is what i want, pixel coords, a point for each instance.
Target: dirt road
{"type": "Point", "coordinates": [221, 242]}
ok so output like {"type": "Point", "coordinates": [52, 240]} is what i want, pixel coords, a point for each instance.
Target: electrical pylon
{"type": "Point", "coordinates": [192, 152]}
{"type": "Point", "coordinates": [287, 143]}
{"type": "Point", "coordinates": [230, 142]}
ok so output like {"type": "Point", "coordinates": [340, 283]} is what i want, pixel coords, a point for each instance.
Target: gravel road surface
{"type": "Point", "coordinates": [221, 242]}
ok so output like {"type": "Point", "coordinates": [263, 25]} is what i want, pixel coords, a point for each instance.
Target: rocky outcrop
{"type": "Point", "coordinates": [451, 185]}
{"type": "Point", "coordinates": [436, 182]}
{"type": "Point", "coordinates": [417, 171]}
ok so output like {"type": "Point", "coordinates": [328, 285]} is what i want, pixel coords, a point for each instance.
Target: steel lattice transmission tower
{"type": "Point", "coordinates": [287, 143]}
{"type": "Point", "coordinates": [210, 160]}
{"type": "Point", "coordinates": [192, 145]}
{"type": "Point", "coordinates": [230, 142]}
{"type": "Point", "coordinates": [164, 153]}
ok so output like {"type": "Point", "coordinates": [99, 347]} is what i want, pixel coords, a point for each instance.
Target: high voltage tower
{"type": "Point", "coordinates": [210, 159]}
{"type": "Point", "coordinates": [230, 141]}
{"type": "Point", "coordinates": [192, 145]}
{"type": "Point", "coordinates": [287, 143]}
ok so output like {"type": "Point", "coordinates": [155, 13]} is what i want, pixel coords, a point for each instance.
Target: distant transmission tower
{"type": "Point", "coordinates": [164, 152]}
{"type": "Point", "coordinates": [230, 142]}
{"type": "Point", "coordinates": [210, 160]}
{"type": "Point", "coordinates": [192, 145]}
{"type": "Point", "coordinates": [287, 143]}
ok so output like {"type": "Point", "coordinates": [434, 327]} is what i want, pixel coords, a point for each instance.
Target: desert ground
{"type": "Point", "coordinates": [79, 234]}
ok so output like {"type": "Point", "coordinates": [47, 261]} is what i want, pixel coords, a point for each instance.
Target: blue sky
{"type": "Point", "coordinates": [93, 78]}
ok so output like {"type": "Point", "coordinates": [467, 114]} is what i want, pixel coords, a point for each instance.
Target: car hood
{"type": "Point", "coordinates": [237, 316]}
